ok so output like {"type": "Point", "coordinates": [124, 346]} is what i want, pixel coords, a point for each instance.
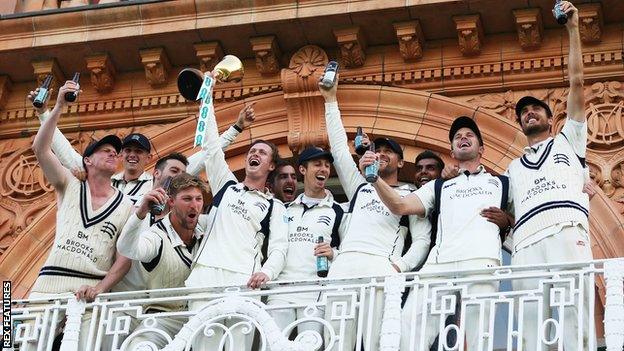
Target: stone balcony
{"type": "Point", "coordinates": [342, 305]}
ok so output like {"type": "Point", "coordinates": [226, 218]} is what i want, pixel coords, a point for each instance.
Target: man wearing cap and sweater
{"type": "Point", "coordinates": [312, 215]}
{"type": "Point", "coordinates": [466, 238]}
{"type": "Point", "coordinates": [90, 217]}
{"type": "Point", "coordinates": [373, 237]}
{"type": "Point", "coordinates": [550, 207]}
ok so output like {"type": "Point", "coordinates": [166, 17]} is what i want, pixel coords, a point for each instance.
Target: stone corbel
{"type": "Point", "coordinates": [470, 34]}
{"type": "Point", "coordinates": [590, 22]}
{"type": "Point", "coordinates": [411, 40]}
{"type": "Point", "coordinates": [208, 54]}
{"type": "Point", "coordinates": [267, 54]}
{"type": "Point", "coordinates": [352, 46]}
{"type": "Point", "coordinates": [156, 65]}
{"type": "Point", "coordinates": [45, 67]}
{"type": "Point", "coordinates": [102, 72]}
{"type": "Point", "coordinates": [5, 89]}
{"type": "Point", "coordinates": [529, 27]}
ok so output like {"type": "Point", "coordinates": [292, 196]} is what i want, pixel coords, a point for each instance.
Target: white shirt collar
{"type": "Point", "coordinates": [535, 148]}
{"type": "Point", "coordinates": [175, 237]}
{"type": "Point", "coordinates": [328, 200]}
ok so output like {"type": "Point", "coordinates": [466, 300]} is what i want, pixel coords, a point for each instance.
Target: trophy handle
{"type": "Point", "coordinates": [189, 82]}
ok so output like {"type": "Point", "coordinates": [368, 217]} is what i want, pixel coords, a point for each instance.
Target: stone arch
{"type": "Point", "coordinates": [416, 119]}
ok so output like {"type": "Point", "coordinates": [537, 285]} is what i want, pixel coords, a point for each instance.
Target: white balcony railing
{"type": "Point", "coordinates": [341, 308]}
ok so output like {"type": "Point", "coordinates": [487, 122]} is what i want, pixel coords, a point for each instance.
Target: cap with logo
{"type": "Point", "coordinates": [111, 139]}
{"type": "Point", "coordinates": [313, 153]}
{"type": "Point", "coordinates": [391, 143]}
{"type": "Point", "coordinates": [138, 139]}
{"type": "Point", "coordinates": [530, 100]}
{"type": "Point", "coordinates": [464, 122]}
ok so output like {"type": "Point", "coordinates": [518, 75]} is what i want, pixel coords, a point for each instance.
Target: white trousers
{"type": "Point", "coordinates": [344, 323]}
{"type": "Point", "coordinates": [216, 277]}
{"type": "Point", "coordinates": [415, 336]}
{"type": "Point", "coordinates": [569, 245]}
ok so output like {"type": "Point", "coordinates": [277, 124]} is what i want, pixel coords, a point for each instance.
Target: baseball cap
{"type": "Point", "coordinates": [137, 138]}
{"type": "Point", "coordinates": [465, 122]}
{"type": "Point", "coordinates": [530, 100]}
{"type": "Point", "coordinates": [312, 153]}
{"type": "Point", "coordinates": [389, 142]}
{"type": "Point", "coordinates": [111, 139]}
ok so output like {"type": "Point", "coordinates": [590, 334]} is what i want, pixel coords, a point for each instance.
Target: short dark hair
{"type": "Point", "coordinates": [275, 157]}
{"type": "Point", "coordinates": [160, 164]}
{"type": "Point", "coordinates": [281, 163]}
{"type": "Point", "coordinates": [430, 154]}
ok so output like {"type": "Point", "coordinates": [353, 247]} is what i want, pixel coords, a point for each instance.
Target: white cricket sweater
{"type": "Point", "coordinates": [370, 226]}
{"type": "Point", "coordinates": [305, 225]}
{"type": "Point", "coordinates": [84, 245]}
{"type": "Point", "coordinates": [546, 184]}
{"type": "Point", "coordinates": [464, 234]}
{"type": "Point", "coordinates": [241, 220]}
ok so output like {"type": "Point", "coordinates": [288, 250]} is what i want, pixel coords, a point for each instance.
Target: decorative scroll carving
{"type": "Point", "coordinates": [352, 46]}
{"type": "Point", "coordinates": [303, 102]}
{"type": "Point", "coordinates": [209, 54]}
{"type": "Point", "coordinates": [102, 72]}
{"type": "Point", "coordinates": [5, 89]}
{"type": "Point", "coordinates": [267, 54]}
{"type": "Point", "coordinates": [411, 39]}
{"type": "Point", "coordinates": [45, 67]}
{"type": "Point", "coordinates": [504, 104]}
{"type": "Point", "coordinates": [470, 34]}
{"type": "Point", "coordinates": [529, 27]}
{"type": "Point", "coordinates": [605, 103]}
{"type": "Point", "coordinates": [156, 65]}
{"type": "Point", "coordinates": [590, 22]}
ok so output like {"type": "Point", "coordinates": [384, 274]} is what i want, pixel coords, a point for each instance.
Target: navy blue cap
{"type": "Point", "coordinates": [530, 100]}
{"type": "Point", "coordinates": [139, 139]}
{"type": "Point", "coordinates": [465, 122]}
{"type": "Point", "coordinates": [111, 139]}
{"type": "Point", "coordinates": [313, 153]}
{"type": "Point", "coordinates": [391, 143]}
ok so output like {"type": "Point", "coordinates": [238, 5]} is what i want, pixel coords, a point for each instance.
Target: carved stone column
{"type": "Point", "coordinates": [469, 34]}
{"type": "Point", "coordinates": [411, 40]}
{"type": "Point", "coordinates": [590, 22]}
{"type": "Point", "coordinates": [304, 103]}
{"type": "Point", "coordinates": [102, 72]}
{"type": "Point", "coordinates": [208, 54]}
{"type": "Point", "coordinates": [45, 67]}
{"type": "Point", "coordinates": [529, 27]}
{"type": "Point", "coordinates": [267, 54]}
{"type": "Point", "coordinates": [5, 89]}
{"type": "Point", "coordinates": [156, 65]}
{"type": "Point", "coordinates": [352, 46]}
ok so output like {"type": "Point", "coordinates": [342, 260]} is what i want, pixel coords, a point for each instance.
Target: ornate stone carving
{"type": "Point", "coordinates": [208, 55]}
{"type": "Point", "coordinates": [267, 54]}
{"type": "Point", "coordinates": [504, 103]}
{"type": "Point", "coordinates": [590, 22]}
{"type": "Point", "coordinates": [44, 67]}
{"type": "Point", "coordinates": [352, 46]}
{"type": "Point", "coordinates": [529, 27]}
{"type": "Point", "coordinates": [303, 102]}
{"type": "Point", "coordinates": [605, 103]}
{"type": "Point", "coordinates": [5, 89]}
{"type": "Point", "coordinates": [102, 72]}
{"type": "Point", "coordinates": [156, 65]}
{"type": "Point", "coordinates": [411, 40]}
{"type": "Point", "coordinates": [469, 33]}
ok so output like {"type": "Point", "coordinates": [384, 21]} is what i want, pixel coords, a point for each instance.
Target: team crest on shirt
{"type": "Point", "coordinates": [324, 220]}
{"type": "Point", "coordinates": [562, 158]}
{"type": "Point", "coordinates": [493, 182]}
{"type": "Point", "coordinates": [263, 207]}
{"type": "Point", "coordinates": [109, 229]}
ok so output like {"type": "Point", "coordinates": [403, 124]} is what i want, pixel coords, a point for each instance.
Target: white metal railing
{"type": "Point", "coordinates": [344, 307]}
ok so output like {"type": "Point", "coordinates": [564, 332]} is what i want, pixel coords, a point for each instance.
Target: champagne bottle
{"type": "Point", "coordinates": [370, 172]}
{"type": "Point", "coordinates": [329, 77]}
{"type": "Point", "coordinates": [71, 96]}
{"type": "Point", "coordinates": [561, 16]}
{"type": "Point", "coordinates": [360, 148]}
{"type": "Point", "coordinates": [322, 265]}
{"type": "Point", "coordinates": [157, 208]}
{"type": "Point", "coordinates": [44, 90]}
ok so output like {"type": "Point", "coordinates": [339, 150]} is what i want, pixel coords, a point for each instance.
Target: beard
{"type": "Point", "coordinates": [535, 129]}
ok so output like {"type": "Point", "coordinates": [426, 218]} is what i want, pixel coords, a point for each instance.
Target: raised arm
{"type": "Point", "coordinates": [350, 177]}
{"type": "Point", "coordinates": [52, 168]}
{"type": "Point", "coordinates": [576, 97]}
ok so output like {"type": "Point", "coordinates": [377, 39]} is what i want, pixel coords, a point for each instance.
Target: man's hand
{"type": "Point", "coordinates": [87, 293]}
{"type": "Point", "coordinates": [154, 196]}
{"type": "Point", "coordinates": [257, 280]}
{"type": "Point", "coordinates": [396, 268]}
{"type": "Point", "coordinates": [329, 94]}
{"type": "Point", "coordinates": [571, 12]}
{"type": "Point", "coordinates": [590, 188]}
{"type": "Point", "coordinates": [450, 171]}
{"type": "Point", "coordinates": [31, 97]}
{"type": "Point", "coordinates": [324, 249]}
{"type": "Point", "coordinates": [367, 159]}
{"type": "Point", "coordinates": [69, 86]}
{"type": "Point", "coordinates": [496, 216]}
{"type": "Point", "coordinates": [246, 116]}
